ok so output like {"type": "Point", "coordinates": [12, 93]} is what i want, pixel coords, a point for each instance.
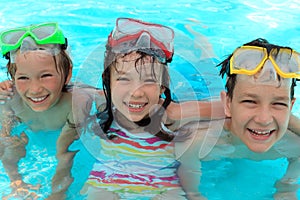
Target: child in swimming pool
{"type": "Point", "coordinates": [261, 79]}
{"type": "Point", "coordinates": [136, 159]}
{"type": "Point", "coordinates": [40, 69]}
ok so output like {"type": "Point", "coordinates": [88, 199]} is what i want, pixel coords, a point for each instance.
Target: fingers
{"type": "Point", "coordinates": [24, 138]}
{"type": "Point", "coordinates": [21, 194]}
{"type": "Point", "coordinates": [21, 190]}
{"type": "Point", "coordinates": [6, 85]}
{"type": "Point", "coordinates": [6, 91]}
{"type": "Point", "coordinates": [5, 97]}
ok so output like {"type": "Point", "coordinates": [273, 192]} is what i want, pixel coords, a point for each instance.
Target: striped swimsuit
{"type": "Point", "coordinates": [139, 163]}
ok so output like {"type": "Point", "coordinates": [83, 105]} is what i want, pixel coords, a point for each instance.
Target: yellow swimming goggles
{"type": "Point", "coordinates": [250, 59]}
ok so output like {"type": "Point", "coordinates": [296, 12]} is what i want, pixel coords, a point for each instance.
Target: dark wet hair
{"type": "Point", "coordinates": [62, 61]}
{"type": "Point", "coordinates": [231, 78]}
{"type": "Point", "coordinates": [106, 116]}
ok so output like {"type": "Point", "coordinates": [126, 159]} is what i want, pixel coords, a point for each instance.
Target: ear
{"type": "Point", "coordinates": [162, 89]}
{"type": "Point", "coordinates": [292, 103]}
{"type": "Point", "coordinates": [69, 75]}
{"type": "Point", "coordinates": [226, 101]}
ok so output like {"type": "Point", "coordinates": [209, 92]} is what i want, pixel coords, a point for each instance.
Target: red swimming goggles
{"type": "Point", "coordinates": [131, 34]}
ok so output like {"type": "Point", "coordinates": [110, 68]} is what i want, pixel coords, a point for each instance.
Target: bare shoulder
{"type": "Point", "coordinates": [88, 95]}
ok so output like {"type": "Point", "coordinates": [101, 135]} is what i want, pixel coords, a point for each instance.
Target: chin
{"type": "Point", "coordinates": [260, 148]}
{"type": "Point", "coordinates": [136, 118]}
{"type": "Point", "coordinates": [39, 109]}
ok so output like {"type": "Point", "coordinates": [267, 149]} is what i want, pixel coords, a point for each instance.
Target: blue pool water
{"type": "Point", "coordinates": [221, 27]}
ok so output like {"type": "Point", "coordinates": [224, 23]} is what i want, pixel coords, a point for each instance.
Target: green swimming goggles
{"type": "Point", "coordinates": [45, 33]}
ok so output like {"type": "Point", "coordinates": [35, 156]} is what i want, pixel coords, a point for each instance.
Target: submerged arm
{"type": "Point", "coordinates": [12, 149]}
{"type": "Point", "coordinates": [62, 178]}
{"type": "Point", "coordinates": [187, 152]}
{"type": "Point", "coordinates": [82, 101]}
{"type": "Point", "coordinates": [288, 185]}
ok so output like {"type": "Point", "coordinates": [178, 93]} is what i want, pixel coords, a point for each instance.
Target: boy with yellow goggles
{"type": "Point", "coordinates": [251, 59]}
{"type": "Point", "coordinates": [44, 33]}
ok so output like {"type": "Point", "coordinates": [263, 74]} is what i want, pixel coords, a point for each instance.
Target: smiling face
{"type": "Point", "coordinates": [37, 80]}
{"type": "Point", "coordinates": [135, 87]}
{"type": "Point", "coordinates": [259, 113]}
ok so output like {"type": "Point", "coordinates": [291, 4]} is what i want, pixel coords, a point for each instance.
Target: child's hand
{"type": "Point", "coordinates": [286, 196]}
{"type": "Point", "coordinates": [57, 196]}
{"type": "Point", "coordinates": [6, 91]}
{"type": "Point", "coordinates": [286, 190]}
{"type": "Point", "coordinates": [98, 193]}
{"type": "Point", "coordinates": [22, 190]}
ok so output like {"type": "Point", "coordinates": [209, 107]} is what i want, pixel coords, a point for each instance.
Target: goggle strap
{"type": "Point", "coordinates": [6, 56]}
{"type": "Point", "coordinates": [65, 45]}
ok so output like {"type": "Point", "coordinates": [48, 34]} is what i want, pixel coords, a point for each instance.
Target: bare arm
{"type": "Point", "coordinates": [196, 110]}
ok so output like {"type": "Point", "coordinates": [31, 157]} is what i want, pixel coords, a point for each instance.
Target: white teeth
{"type": "Point", "coordinates": [135, 105]}
{"type": "Point", "coordinates": [260, 132]}
{"type": "Point", "coordinates": [38, 99]}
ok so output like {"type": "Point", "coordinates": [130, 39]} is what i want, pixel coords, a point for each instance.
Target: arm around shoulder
{"type": "Point", "coordinates": [196, 110]}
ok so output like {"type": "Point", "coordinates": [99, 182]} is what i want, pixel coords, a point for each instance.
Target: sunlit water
{"type": "Point", "coordinates": [225, 24]}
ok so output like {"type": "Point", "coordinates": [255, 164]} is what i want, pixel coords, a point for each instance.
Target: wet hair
{"type": "Point", "coordinates": [106, 116]}
{"type": "Point", "coordinates": [231, 78]}
{"type": "Point", "coordinates": [62, 61]}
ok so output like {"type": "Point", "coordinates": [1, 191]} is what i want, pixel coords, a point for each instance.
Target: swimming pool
{"type": "Point", "coordinates": [225, 24]}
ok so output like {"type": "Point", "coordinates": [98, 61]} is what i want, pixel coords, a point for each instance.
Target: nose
{"type": "Point", "coordinates": [35, 87]}
{"type": "Point", "coordinates": [264, 116]}
{"type": "Point", "coordinates": [137, 90]}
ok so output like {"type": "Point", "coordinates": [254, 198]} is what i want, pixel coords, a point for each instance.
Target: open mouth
{"type": "Point", "coordinates": [259, 133]}
{"type": "Point", "coordinates": [38, 99]}
{"type": "Point", "coordinates": [136, 107]}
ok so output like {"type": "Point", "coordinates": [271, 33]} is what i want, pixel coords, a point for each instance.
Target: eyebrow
{"type": "Point", "coordinates": [282, 98]}
{"type": "Point", "coordinates": [121, 72]}
{"type": "Point", "coordinates": [285, 98]}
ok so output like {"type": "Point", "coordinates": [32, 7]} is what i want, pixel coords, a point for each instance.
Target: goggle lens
{"type": "Point", "coordinates": [43, 32]}
{"type": "Point", "coordinates": [287, 61]}
{"type": "Point", "coordinates": [247, 60]}
{"type": "Point", "coordinates": [12, 38]}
